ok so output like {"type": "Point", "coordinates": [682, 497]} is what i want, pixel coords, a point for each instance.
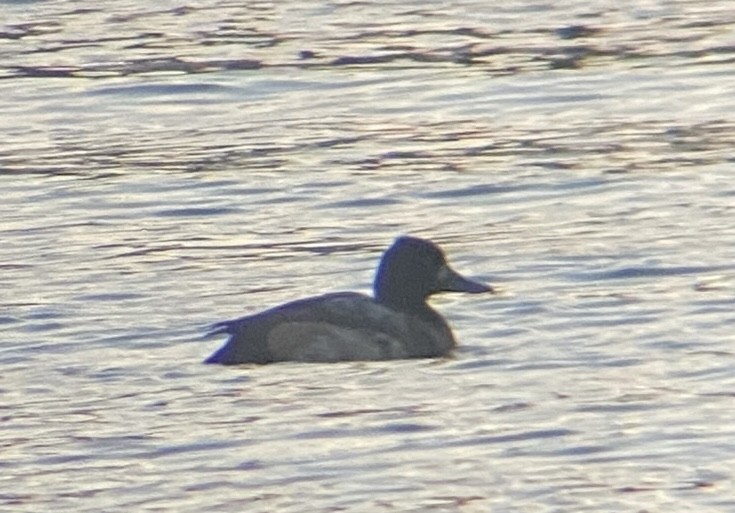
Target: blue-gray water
{"type": "Point", "coordinates": [169, 165]}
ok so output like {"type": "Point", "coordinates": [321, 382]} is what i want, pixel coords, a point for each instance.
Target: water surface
{"type": "Point", "coordinates": [165, 167]}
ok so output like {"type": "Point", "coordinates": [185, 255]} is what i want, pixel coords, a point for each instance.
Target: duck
{"type": "Point", "coordinates": [395, 323]}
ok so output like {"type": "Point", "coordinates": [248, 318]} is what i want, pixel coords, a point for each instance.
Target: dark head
{"type": "Point", "coordinates": [412, 269]}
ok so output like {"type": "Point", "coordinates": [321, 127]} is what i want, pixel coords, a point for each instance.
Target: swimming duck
{"type": "Point", "coordinates": [348, 326]}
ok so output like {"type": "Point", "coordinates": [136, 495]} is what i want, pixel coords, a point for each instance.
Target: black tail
{"type": "Point", "coordinates": [219, 328]}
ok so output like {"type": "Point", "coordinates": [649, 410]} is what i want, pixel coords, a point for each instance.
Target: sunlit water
{"type": "Point", "coordinates": [165, 167]}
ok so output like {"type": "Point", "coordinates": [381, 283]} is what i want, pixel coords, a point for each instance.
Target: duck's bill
{"type": "Point", "coordinates": [450, 280]}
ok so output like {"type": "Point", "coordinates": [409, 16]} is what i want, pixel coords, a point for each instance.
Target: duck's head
{"type": "Point", "coordinates": [412, 269]}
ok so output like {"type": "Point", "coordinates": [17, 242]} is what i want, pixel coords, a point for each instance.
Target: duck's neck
{"type": "Point", "coordinates": [401, 298]}
{"type": "Point", "coordinates": [405, 303]}
{"type": "Point", "coordinates": [392, 289]}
